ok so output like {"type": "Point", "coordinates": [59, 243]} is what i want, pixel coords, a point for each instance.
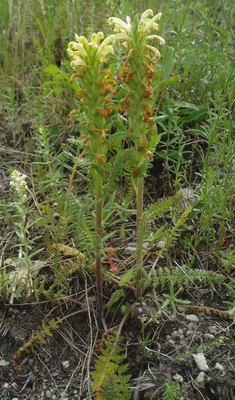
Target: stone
{"type": "Point", "coordinates": [65, 364]}
{"type": "Point", "coordinates": [178, 378]}
{"type": "Point", "coordinates": [191, 325]}
{"type": "Point", "coordinates": [130, 250]}
{"type": "Point", "coordinates": [192, 318]}
{"type": "Point", "coordinates": [220, 368]}
{"type": "Point", "coordinates": [209, 336]}
{"type": "Point", "coordinates": [212, 329]}
{"type": "Point", "coordinates": [189, 333]}
{"type": "Point", "coordinates": [4, 363]}
{"type": "Point", "coordinates": [201, 362]}
{"type": "Point", "coordinates": [200, 379]}
{"type": "Point", "coordinates": [174, 334]}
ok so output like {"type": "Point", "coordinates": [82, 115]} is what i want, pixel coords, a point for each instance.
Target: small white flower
{"type": "Point", "coordinates": [18, 183]}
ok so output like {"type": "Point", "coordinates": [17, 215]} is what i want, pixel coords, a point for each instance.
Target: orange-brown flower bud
{"type": "Point", "coordinates": [107, 73]}
{"type": "Point", "coordinates": [101, 159]}
{"type": "Point", "coordinates": [73, 77]}
{"type": "Point", "coordinates": [143, 143]}
{"type": "Point", "coordinates": [150, 70]}
{"type": "Point", "coordinates": [148, 91]}
{"type": "Point", "coordinates": [105, 112]}
{"type": "Point", "coordinates": [149, 155]}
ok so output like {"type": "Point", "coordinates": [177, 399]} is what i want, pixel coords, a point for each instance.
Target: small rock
{"type": "Point", "coordinates": [189, 333]}
{"type": "Point", "coordinates": [178, 378]}
{"type": "Point", "coordinates": [14, 385]}
{"type": "Point", "coordinates": [209, 336]}
{"type": "Point", "coordinates": [172, 342]}
{"type": "Point", "coordinates": [48, 394]}
{"type": "Point", "coordinates": [4, 363]}
{"type": "Point", "coordinates": [168, 337]}
{"type": "Point", "coordinates": [174, 334]}
{"type": "Point", "coordinates": [192, 326]}
{"type": "Point", "coordinates": [180, 331]}
{"type": "Point", "coordinates": [212, 329]}
{"type": "Point", "coordinates": [201, 362]}
{"type": "Point", "coordinates": [6, 385]}
{"type": "Point", "coordinates": [65, 364]}
{"type": "Point", "coordinates": [130, 250]}
{"type": "Point", "coordinates": [15, 398]}
{"type": "Point", "coordinates": [161, 244]}
{"type": "Point", "coordinates": [192, 318]}
{"type": "Point", "coordinates": [220, 368]}
{"type": "Point", "coordinates": [200, 379]}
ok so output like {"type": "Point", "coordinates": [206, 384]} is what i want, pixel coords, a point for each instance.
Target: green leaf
{"type": "Point", "coordinates": [116, 296]}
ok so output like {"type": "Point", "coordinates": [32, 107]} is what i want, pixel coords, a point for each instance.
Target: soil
{"type": "Point", "coordinates": [158, 349]}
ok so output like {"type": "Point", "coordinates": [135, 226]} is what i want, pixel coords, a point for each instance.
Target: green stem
{"type": "Point", "coordinates": [139, 245]}
{"type": "Point", "coordinates": [99, 210]}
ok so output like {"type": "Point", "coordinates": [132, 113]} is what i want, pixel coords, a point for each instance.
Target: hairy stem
{"type": "Point", "coordinates": [99, 209]}
{"type": "Point", "coordinates": [139, 246]}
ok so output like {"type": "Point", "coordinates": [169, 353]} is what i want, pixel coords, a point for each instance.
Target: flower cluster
{"type": "Point", "coordinates": [18, 183]}
{"type": "Point", "coordinates": [146, 24]}
{"type": "Point", "coordinates": [82, 51]}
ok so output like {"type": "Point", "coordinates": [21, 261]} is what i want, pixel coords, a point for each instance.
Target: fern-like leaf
{"type": "Point", "coordinates": [110, 380]}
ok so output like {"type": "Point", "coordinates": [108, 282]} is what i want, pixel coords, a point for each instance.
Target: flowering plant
{"type": "Point", "coordinates": [97, 95]}
{"type": "Point", "coordinates": [136, 76]}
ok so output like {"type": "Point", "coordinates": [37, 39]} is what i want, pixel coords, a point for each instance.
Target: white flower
{"type": "Point", "coordinates": [18, 183]}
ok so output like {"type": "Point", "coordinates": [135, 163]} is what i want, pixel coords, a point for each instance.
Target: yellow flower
{"type": "Point", "coordinates": [82, 49]}
{"type": "Point", "coordinates": [147, 23]}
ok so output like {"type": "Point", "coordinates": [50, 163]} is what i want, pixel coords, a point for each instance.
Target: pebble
{"type": "Point", "coordinates": [172, 342]}
{"type": "Point", "coordinates": [200, 379]}
{"type": "Point", "coordinates": [209, 336]}
{"type": "Point", "coordinates": [65, 364]}
{"type": "Point", "coordinates": [178, 378]}
{"type": "Point", "coordinates": [192, 318]}
{"type": "Point", "coordinates": [191, 325]}
{"type": "Point", "coordinates": [4, 363]}
{"type": "Point", "coordinates": [161, 244]}
{"type": "Point", "coordinates": [130, 250]}
{"type": "Point", "coordinates": [220, 368]}
{"type": "Point", "coordinates": [48, 394]}
{"type": "Point", "coordinates": [14, 385]}
{"type": "Point", "coordinates": [181, 337]}
{"type": "Point", "coordinates": [14, 398]}
{"type": "Point", "coordinates": [168, 337]}
{"type": "Point", "coordinates": [174, 334]}
{"type": "Point", "coordinates": [201, 362]}
{"type": "Point", "coordinates": [189, 333]}
{"type": "Point", "coordinates": [212, 329]}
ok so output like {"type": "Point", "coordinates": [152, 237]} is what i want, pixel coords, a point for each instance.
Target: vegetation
{"type": "Point", "coordinates": [117, 168]}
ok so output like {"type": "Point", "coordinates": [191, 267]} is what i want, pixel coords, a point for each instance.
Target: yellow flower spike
{"type": "Point", "coordinates": [154, 50]}
{"type": "Point", "coordinates": [81, 39]}
{"type": "Point", "coordinates": [156, 37]}
{"type": "Point", "coordinates": [77, 61]}
{"type": "Point", "coordinates": [97, 37]}
{"type": "Point", "coordinates": [120, 25]}
{"type": "Point", "coordinates": [77, 48]}
{"type": "Point", "coordinates": [146, 14]}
